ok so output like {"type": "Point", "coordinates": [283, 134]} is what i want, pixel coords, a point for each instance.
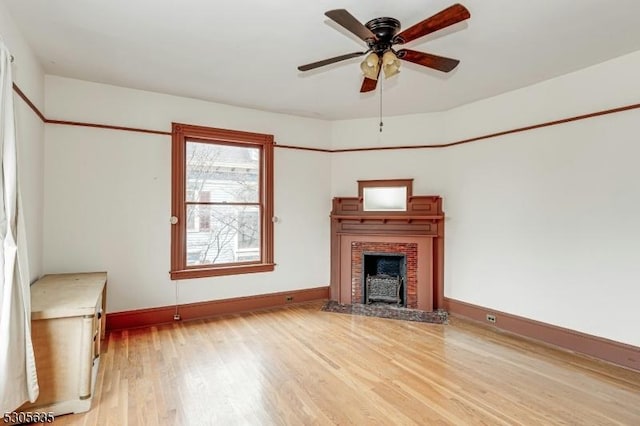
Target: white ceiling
{"type": "Point", "coordinates": [245, 52]}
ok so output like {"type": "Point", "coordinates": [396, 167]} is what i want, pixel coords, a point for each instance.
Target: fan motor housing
{"type": "Point", "coordinates": [384, 29]}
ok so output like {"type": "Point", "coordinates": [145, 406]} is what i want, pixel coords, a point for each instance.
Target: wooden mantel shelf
{"type": "Point", "coordinates": [362, 217]}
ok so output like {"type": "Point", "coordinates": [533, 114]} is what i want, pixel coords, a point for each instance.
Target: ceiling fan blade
{"type": "Point", "coordinates": [440, 20]}
{"type": "Point", "coordinates": [369, 84]}
{"type": "Point", "coordinates": [436, 62]}
{"type": "Point", "coordinates": [346, 20]}
{"type": "Point", "coordinates": [324, 62]}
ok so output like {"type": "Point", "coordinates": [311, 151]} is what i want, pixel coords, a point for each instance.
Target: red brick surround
{"type": "Point", "coordinates": [423, 275]}
{"type": "Point", "coordinates": [410, 250]}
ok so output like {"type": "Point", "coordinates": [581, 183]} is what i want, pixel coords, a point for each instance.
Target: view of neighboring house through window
{"type": "Point", "coordinates": [222, 200]}
{"type": "Point", "coordinates": [223, 182]}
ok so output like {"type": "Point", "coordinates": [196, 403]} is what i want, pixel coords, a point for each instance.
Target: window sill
{"type": "Point", "coordinates": [217, 271]}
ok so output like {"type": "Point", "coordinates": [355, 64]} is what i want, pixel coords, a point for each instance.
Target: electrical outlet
{"type": "Point", "coordinates": [491, 318]}
{"type": "Point", "coordinates": [289, 299]}
{"type": "Point", "coordinates": [176, 317]}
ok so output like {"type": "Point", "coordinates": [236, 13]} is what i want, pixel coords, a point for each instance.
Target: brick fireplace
{"type": "Point", "coordinates": [416, 236]}
{"type": "Point", "coordinates": [406, 256]}
{"type": "Point", "coordinates": [419, 276]}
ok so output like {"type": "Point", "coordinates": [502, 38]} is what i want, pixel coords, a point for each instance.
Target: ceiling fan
{"type": "Point", "coordinates": [381, 34]}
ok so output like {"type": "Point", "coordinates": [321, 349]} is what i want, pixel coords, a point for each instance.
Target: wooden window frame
{"type": "Point", "coordinates": [181, 134]}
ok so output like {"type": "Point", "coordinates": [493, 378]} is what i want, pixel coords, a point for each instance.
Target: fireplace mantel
{"type": "Point", "coordinates": [422, 223]}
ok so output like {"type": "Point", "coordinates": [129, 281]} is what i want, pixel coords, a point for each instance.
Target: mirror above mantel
{"type": "Point", "coordinates": [389, 195]}
{"type": "Point", "coordinates": [385, 199]}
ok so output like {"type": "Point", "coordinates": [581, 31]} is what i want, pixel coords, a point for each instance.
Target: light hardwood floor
{"type": "Point", "coordinates": [298, 365]}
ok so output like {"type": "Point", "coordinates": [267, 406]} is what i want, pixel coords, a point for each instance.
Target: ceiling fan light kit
{"type": "Point", "coordinates": [390, 64]}
{"type": "Point", "coordinates": [371, 66]}
{"type": "Point", "coordinates": [381, 34]}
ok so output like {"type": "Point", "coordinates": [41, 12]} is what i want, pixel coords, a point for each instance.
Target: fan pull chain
{"type": "Point", "coordinates": [381, 124]}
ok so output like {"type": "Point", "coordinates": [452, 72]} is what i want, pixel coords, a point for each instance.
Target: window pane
{"type": "Point", "coordinates": [249, 229]}
{"type": "Point", "coordinates": [226, 173]}
{"type": "Point", "coordinates": [223, 234]}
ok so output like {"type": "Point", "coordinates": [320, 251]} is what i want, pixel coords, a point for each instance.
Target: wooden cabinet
{"type": "Point", "coordinates": [67, 325]}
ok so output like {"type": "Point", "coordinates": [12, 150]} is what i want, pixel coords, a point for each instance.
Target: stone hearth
{"type": "Point", "coordinates": [433, 317]}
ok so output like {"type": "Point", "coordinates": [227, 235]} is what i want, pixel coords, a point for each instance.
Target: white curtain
{"type": "Point", "coordinates": [18, 380]}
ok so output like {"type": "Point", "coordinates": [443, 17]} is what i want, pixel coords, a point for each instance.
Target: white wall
{"type": "Point", "coordinates": [28, 75]}
{"type": "Point", "coordinates": [416, 129]}
{"type": "Point", "coordinates": [107, 194]}
{"type": "Point", "coordinates": [542, 224]}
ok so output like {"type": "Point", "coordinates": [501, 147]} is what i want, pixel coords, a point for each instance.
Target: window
{"type": "Point", "coordinates": [222, 197]}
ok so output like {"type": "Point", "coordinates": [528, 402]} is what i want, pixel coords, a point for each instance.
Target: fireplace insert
{"type": "Point", "coordinates": [384, 277]}
{"type": "Point", "coordinates": [383, 288]}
